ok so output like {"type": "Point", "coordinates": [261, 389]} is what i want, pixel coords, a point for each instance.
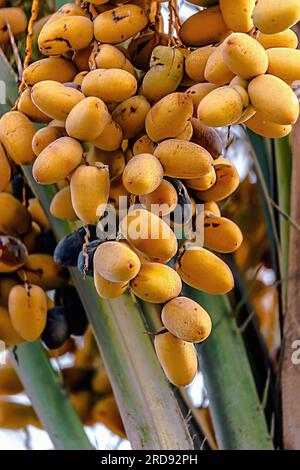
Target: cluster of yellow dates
{"type": "Point", "coordinates": [85, 381]}
{"type": "Point", "coordinates": [128, 115]}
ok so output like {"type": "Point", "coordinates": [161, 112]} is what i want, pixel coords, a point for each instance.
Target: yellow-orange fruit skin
{"type": "Point", "coordinates": [177, 357]}
{"type": "Point", "coordinates": [68, 9]}
{"type": "Point", "coordinates": [216, 70]}
{"type": "Point", "coordinates": [286, 39]}
{"type": "Point", "coordinates": [110, 138]}
{"type": "Point", "coordinates": [65, 34]}
{"type": "Point", "coordinates": [227, 181]}
{"type": "Point", "coordinates": [261, 126]}
{"type": "Point", "coordinates": [14, 217]}
{"type": "Point", "coordinates": [207, 137]}
{"type": "Point", "coordinates": [109, 84]}
{"type": "Point", "coordinates": [6, 284]}
{"type": "Point", "coordinates": [142, 174]}
{"type": "Point", "coordinates": [52, 68]}
{"type": "Point", "coordinates": [107, 289]}
{"type": "Point", "coordinates": [57, 161]}
{"type": "Point", "coordinates": [10, 383]}
{"type": "Point", "coordinates": [211, 208]}
{"type": "Point", "coordinates": [274, 98]}
{"type": "Point", "coordinates": [198, 91]}
{"type": "Point", "coordinates": [41, 270]}
{"type": "Point", "coordinates": [181, 159]}
{"type": "Point", "coordinates": [87, 120]}
{"type": "Point", "coordinates": [106, 411]}
{"type": "Point", "coordinates": [130, 20]}
{"type": "Point", "coordinates": [110, 57]}
{"type": "Point", "coordinates": [115, 161]}
{"type": "Point", "coordinates": [7, 332]}
{"type": "Point", "coordinates": [244, 56]}
{"type": "Point", "coordinates": [162, 200]}
{"type": "Point", "coordinates": [16, 134]}
{"type": "Point", "coordinates": [156, 283]}
{"type": "Point", "coordinates": [54, 99]}
{"type": "Point", "coordinates": [169, 116]}
{"type": "Point", "coordinates": [5, 169]}
{"type": "Point", "coordinates": [116, 262]}
{"type": "Point", "coordinates": [101, 383]}
{"type": "Point", "coordinates": [17, 416]}
{"type": "Point", "coordinates": [30, 238]}
{"type": "Point", "coordinates": [89, 192]}
{"type": "Point", "coordinates": [131, 115]}
{"type": "Point", "coordinates": [186, 319]}
{"type": "Point", "coordinates": [284, 63]}
{"type": "Point", "coordinates": [274, 16]}
{"type": "Point", "coordinates": [221, 107]}
{"type": "Point", "coordinates": [45, 136]}
{"type": "Point", "coordinates": [61, 205]}
{"type": "Point", "coordinates": [196, 62]}
{"type": "Point", "coordinates": [237, 14]}
{"type": "Point", "coordinates": [203, 28]}
{"type": "Point", "coordinates": [27, 308]}
{"type": "Point", "coordinates": [17, 21]}
{"type": "Point", "coordinates": [201, 269]}
{"type": "Point", "coordinates": [150, 235]}
{"type": "Point", "coordinates": [203, 183]}
{"type": "Point", "coordinates": [222, 235]}
{"type": "Point", "coordinates": [143, 145]}
{"type": "Point", "coordinates": [27, 107]}
{"type": "Point", "coordinates": [37, 212]}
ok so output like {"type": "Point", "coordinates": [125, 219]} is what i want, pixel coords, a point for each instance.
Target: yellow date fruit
{"type": "Point", "coordinates": [27, 107]}
{"type": "Point", "coordinates": [106, 411]}
{"type": "Point", "coordinates": [165, 74]}
{"type": "Point", "coordinates": [61, 205]}
{"type": "Point", "coordinates": [222, 107]}
{"type": "Point", "coordinates": [186, 319]}
{"type": "Point", "coordinates": [52, 68]}
{"type": "Point", "coordinates": [284, 63]}
{"type": "Point", "coordinates": [45, 136]}
{"type": "Point", "coordinates": [169, 117]}
{"type": "Point", "coordinates": [7, 332]}
{"type": "Point", "coordinates": [245, 56]}
{"type": "Point", "coordinates": [237, 14]}
{"type": "Point", "coordinates": [17, 416]}
{"type": "Point", "coordinates": [110, 138]}
{"type": "Point", "coordinates": [195, 63]}
{"type": "Point", "coordinates": [204, 28]}
{"type": "Point", "coordinates": [162, 201]}
{"type": "Point", "coordinates": [109, 84]}
{"type": "Point", "coordinates": [65, 34]}
{"type": "Point", "coordinates": [287, 39]}
{"type": "Point", "coordinates": [216, 70]}
{"type": "Point", "coordinates": [16, 134]}
{"type": "Point", "coordinates": [181, 159]}
{"type": "Point", "coordinates": [6, 284]}
{"type": "Point", "coordinates": [143, 145]}
{"type": "Point", "coordinates": [87, 120]}
{"type": "Point", "coordinates": [119, 24]}
{"type": "Point", "coordinates": [201, 269]}
{"type": "Point", "coordinates": [89, 192]}
{"type": "Point", "coordinates": [116, 262]}
{"type": "Point", "coordinates": [107, 289]}
{"type": "Point", "coordinates": [274, 16]}
{"type": "Point", "coordinates": [37, 212]}
{"type": "Point", "coordinates": [142, 174]}
{"type": "Point", "coordinates": [274, 98]}
{"type": "Point", "coordinates": [149, 234]}
{"type": "Point", "coordinates": [115, 161]}
{"type": "Point", "coordinates": [222, 235]}
{"type": "Point", "coordinates": [211, 209]}
{"type": "Point", "coordinates": [227, 181]}
{"type": "Point", "coordinates": [178, 358]}
{"type": "Point", "coordinates": [203, 183]}
{"type": "Point", "coordinates": [131, 115]}
{"type": "Point", "coordinates": [156, 283]}
{"type": "Point", "coordinates": [10, 383]}
{"type": "Point", "coordinates": [261, 126]}
{"type": "Point", "coordinates": [41, 270]}
{"type": "Point", "coordinates": [27, 306]}
{"type": "Point", "coordinates": [54, 99]}
{"type": "Point", "coordinates": [14, 217]}
{"type": "Point", "coordinates": [57, 161]}
{"type": "Point", "coordinates": [198, 92]}
{"type": "Point", "coordinates": [207, 137]}
{"type": "Point", "coordinates": [17, 21]}
{"type": "Point", "coordinates": [110, 57]}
